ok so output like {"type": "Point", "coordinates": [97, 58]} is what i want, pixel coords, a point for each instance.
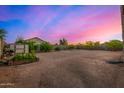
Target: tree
{"type": "Point", "coordinates": [2, 37]}
{"type": "Point", "coordinates": [63, 41]}
{"type": "Point", "coordinates": [114, 45]}
{"type": "Point", "coordinates": [97, 45]}
{"type": "Point", "coordinates": [2, 34]}
{"type": "Point", "coordinates": [31, 46]}
{"type": "Point", "coordinates": [46, 47]}
{"type": "Point", "coordinates": [89, 45]}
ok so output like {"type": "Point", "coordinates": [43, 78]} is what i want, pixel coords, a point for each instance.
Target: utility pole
{"type": "Point", "coordinates": [122, 25]}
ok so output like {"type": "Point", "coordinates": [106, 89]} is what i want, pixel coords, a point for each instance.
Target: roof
{"type": "Point", "coordinates": [35, 38]}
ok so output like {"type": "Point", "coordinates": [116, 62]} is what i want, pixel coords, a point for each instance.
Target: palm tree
{"type": "Point", "coordinates": [2, 37]}
{"type": "Point", "coordinates": [2, 34]}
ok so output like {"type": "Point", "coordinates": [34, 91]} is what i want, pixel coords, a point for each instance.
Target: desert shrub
{"type": "Point", "coordinates": [60, 47]}
{"type": "Point", "coordinates": [79, 46]}
{"type": "Point", "coordinates": [25, 57]}
{"type": "Point", "coordinates": [103, 46]}
{"type": "Point", "coordinates": [92, 45]}
{"type": "Point", "coordinates": [97, 45]}
{"type": "Point", "coordinates": [57, 48]}
{"type": "Point", "coordinates": [46, 47]}
{"type": "Point", "coordinates": [89, 45]}
{"type": "Point", "coordinates": [71, 46]}
{"type": "Point", "coordinates": [114, 45]}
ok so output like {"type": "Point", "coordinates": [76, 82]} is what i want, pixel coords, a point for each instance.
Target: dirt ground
{"type": "Point", "coordinates": [66, 69]}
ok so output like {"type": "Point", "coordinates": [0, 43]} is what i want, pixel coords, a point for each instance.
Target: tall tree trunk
{"type": "Point", "coordinates": [122, 24]}
{"type": "Point", "coordinates": [1, 48]}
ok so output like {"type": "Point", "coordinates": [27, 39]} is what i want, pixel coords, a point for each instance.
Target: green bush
{"type": "Point", "coordinates": [91, 45]}
{"type": "Point", "coordinates": [79, 46]}
{"type": "Point", "coordinates": [25, 57]}
{"type": "Point", "coordinates": [97, 45]}
{"type": "Point", "coordinates": [60, 47]}
{"type": "Point", "coordinates": [46, 47]}
{"type": "Point", "coordinates": [31, 46]}
{"type": "Point", "coordinates": [57, 48]}
{"type": "Point", "coordinates": [113, 45]}
{"type": "Point", "coordinates": [71, 46]}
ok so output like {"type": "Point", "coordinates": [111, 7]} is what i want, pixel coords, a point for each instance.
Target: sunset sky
{"type": "Point", "coordinates": [50, 23]}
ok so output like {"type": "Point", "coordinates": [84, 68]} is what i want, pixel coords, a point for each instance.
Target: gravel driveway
{"type": "Point", "coordinates": [65, 69]}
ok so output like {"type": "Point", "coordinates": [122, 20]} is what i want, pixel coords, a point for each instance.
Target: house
{"type": "Point", "coordinates": [19, 48]}
{"type": "Point", "coordinates": [24, 48]}
{"type": "Point", "coordinates": [36, 40]}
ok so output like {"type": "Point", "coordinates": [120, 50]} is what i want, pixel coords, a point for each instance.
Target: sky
{"type": "Point", "coordinates": [50, 23]}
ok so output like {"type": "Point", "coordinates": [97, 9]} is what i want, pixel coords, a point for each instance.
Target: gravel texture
{"type": "Point", "coordinates": [66, 69]}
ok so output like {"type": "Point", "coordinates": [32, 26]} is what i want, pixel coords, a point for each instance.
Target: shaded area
{"type": "Point", "coordinates": [115, 62]}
